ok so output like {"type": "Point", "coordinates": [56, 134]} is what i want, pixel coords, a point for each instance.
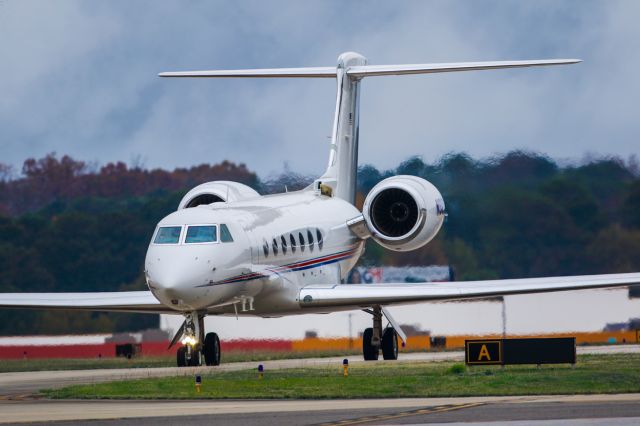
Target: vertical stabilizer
{"type": "Point", "coordinates": [343, 157]}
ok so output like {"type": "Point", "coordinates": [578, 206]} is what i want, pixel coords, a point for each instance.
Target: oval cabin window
{"type": "Point", "coordinates": [319, 239]}
{"type": "Point", "coordinates": [292, 240]}
{"type": "Point", "coordinates": [310, 239]}
{"type": "Point", "coordinates": [301, 241]}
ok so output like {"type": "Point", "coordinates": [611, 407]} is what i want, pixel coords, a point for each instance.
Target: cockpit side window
{"type": "Point", "coordinates": [283, 244]}
{"type": "Point", "coordinates": [168, 235]}
{"type": "Point", "coordinates": [225, 235]}
{"type": "Point", "coordinates": [201, 234]}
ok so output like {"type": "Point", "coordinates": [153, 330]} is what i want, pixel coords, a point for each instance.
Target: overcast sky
{"type": "Point", "coordinates": [79, 78]}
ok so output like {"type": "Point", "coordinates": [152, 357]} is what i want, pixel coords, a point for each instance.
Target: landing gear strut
{"type": "Point", "coordinates": [375, 338]}
{"type": "Point", "coordinates": [197, 348]}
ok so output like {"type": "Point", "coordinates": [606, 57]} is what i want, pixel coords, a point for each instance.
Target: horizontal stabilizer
{"type": "Point", "coordinates": [317, 72]}
{"type": "Point", "coordinates": [358, 72]}
{"type": "Point", "coordinates": [374, 70]}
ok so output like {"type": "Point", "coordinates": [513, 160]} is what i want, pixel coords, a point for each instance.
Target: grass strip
{"type": "Point", "coordinates": [17, 365]}
{"type": "Point", "coordinates": [592, 374]}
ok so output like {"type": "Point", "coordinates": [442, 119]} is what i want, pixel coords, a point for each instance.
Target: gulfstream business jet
{"type": "Point", "coordinates": [227, 250]}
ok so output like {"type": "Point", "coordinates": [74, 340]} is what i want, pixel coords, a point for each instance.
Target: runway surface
{"type": "Point", "coordinates": [548, 410]}
{"type": "Point", "coordinates": [17, 405]}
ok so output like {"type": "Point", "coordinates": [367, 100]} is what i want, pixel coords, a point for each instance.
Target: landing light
{"type": "Point", "coordinates": [189, 340]}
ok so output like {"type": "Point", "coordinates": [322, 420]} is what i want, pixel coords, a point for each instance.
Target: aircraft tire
{"type": "Point", "coordinates": [211, 349]}
{"type": "Point", "coordinates": [369, 351]}
{"type": "Point", "coordinates": [181, 356]}
{"type": "Point", "coordinates": [390, 344]}
{"type": "Point", "coordinates": [195, 360]}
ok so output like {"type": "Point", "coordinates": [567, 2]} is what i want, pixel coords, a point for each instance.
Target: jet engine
{"type": "Point", "coordinates": [403, 213]}
{"type": "Point", "coordinates": [219, 191]}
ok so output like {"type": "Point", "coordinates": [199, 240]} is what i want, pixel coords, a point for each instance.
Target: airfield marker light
{"type": "Point", "coordinates": [345, 367]}
{"type": "Point", "coordinates": [260, 371]}
{"type": "Point", "coordinates": [198, 383]}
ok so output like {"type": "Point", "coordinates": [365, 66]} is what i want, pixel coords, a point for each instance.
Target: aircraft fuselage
{"type": "Point", "coordinates": [281, 243]}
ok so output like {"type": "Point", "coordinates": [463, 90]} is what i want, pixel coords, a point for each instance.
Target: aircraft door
{"type": "Point", "coordinates": [255, 247]}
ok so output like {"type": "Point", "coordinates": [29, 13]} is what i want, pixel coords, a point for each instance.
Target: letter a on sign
{"type": "Point", "coordinates": [484, 352]}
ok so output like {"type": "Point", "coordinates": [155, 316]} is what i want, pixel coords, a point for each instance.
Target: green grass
{"type": "Point", "coordinates": [16, 365]}
{"type": "Point", "coordinates": [592, 374]}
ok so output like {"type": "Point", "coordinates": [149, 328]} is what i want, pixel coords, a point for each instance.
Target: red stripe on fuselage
{"type": "Point", "coordinates": [290, 267]}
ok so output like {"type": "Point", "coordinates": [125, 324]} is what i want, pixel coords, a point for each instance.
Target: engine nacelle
{"type": "Point", "coordinates": [219, 191]}
{"type": "Point", "coordinates": [403, 213]}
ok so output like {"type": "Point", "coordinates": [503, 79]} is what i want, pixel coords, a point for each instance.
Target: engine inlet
{"type": "Point", "coordinates": [394, 212]}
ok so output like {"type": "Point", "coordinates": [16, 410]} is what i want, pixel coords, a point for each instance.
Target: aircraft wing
{"type": "Point", "coordinates": [119, 301]}
{"type": "Point", "coordinates": [366, 295]}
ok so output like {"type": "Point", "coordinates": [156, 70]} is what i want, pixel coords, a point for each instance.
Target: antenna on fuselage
{"type": "Point", "coordinates": [352, 67]}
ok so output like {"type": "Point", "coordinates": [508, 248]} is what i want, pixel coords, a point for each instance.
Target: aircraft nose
{"type": "Point", "coordinates": [166, 280]}
{"type": "Point", "coordinates": [175, 274]}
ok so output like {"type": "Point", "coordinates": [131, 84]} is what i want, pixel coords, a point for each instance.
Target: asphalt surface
{"type": "Point", "coordinates": [543, 410]}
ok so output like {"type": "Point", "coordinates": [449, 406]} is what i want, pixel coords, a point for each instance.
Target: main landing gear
{"type": "Point", "coordinates": [198, 348]}
{"type": "Point", "coordinates": [375, 338]}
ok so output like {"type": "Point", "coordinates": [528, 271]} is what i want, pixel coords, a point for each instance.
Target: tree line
{"type": "Point", "coordinates": [66, 225]}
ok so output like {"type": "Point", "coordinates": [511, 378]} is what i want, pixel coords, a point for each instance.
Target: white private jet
{"type": "Point", "coordinates": [227, 250]}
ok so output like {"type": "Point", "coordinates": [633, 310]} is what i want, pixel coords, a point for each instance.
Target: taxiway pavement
{"type": "Point", "coordinates": [621, 409]}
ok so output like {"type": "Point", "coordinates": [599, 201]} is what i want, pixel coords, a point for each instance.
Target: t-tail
{"type": "Point", "coordinates": [340, 176]}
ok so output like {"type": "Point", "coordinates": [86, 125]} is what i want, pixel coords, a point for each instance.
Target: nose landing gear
{"type": "Point", "coordinates": [188, 356]}
{"type": "Point", "coordinates": [196, 346]}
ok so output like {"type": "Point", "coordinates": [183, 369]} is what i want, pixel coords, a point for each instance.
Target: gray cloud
{"type": "Point", "coordinates": [80, 78]}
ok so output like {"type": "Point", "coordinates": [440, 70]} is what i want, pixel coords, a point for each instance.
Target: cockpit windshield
{"type": "Point", "coordinates": [201, 234]}
{"type": "Point", "coordinates": [168, 235]}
